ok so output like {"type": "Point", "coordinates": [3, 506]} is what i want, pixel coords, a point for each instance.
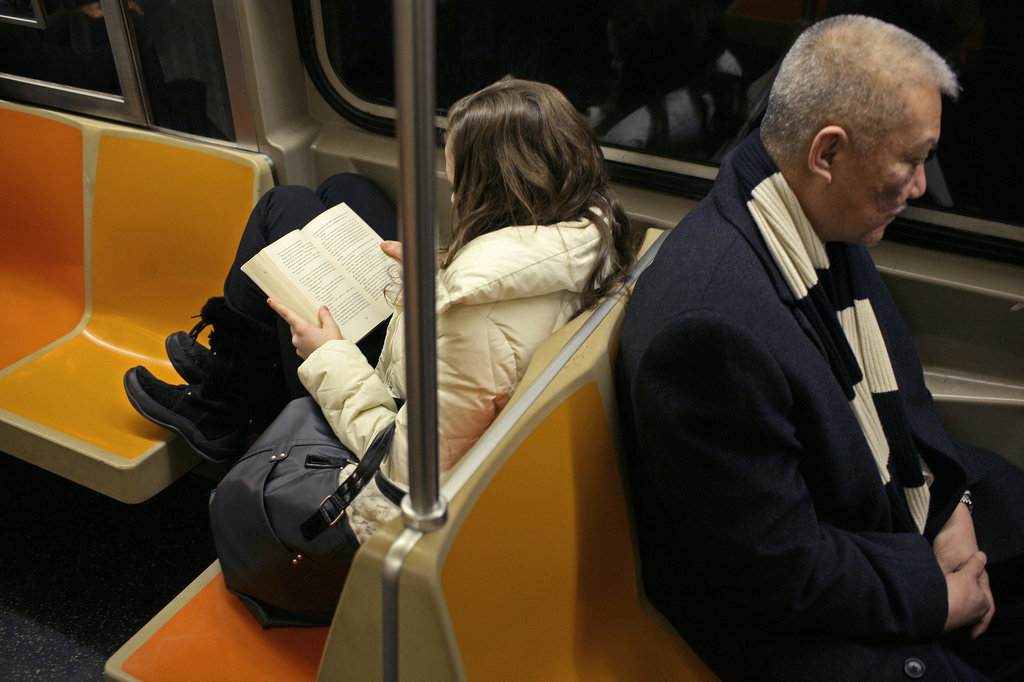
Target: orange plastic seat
{"type": "Point", "coordinates": [166, 215]}
{"type": "Point", "coordinates": [567, 607]}
{"type": "Point", "coordinates": [41, 232]}
{"type": "Point", "coordinates": [213, 638]}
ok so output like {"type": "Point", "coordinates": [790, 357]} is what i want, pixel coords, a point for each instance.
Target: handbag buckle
{"type": "Point", "coordinates": [336, 518]}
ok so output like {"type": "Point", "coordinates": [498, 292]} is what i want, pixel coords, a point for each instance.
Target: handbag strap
{"type": "Point", "coordinates": [389, 489]}
{"type": "Point", "coordinates": [330, 511]}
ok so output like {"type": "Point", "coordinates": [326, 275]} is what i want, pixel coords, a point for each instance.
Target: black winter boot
{"type": "Point", "coordinates": [243, 389]}
{"type": "Point", "coordinates": [188, 357]}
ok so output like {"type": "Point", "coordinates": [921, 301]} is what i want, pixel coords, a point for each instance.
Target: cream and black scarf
{"type": "Point", "coordinates": [828, 294]}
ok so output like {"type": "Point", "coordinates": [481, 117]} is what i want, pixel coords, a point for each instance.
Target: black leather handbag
{"type": "Point", "coordinates": [278, 517]}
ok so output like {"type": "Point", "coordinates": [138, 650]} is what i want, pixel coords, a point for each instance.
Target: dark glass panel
{"type": "Point", "coordinates": [687, 79]}
{"type": "Point", "coordinates": [73, 49]}
{"type": "Point", "coordinates": [182, 68]}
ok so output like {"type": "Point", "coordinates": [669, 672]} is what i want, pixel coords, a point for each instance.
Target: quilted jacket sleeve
{"type": "Point", "coordinates": [353, 397]}
{"type": "Point", "coordinates": [476, 373]}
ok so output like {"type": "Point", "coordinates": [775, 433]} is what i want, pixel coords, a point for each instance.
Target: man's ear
{"type": "Point", "coordinates": [821, 156]}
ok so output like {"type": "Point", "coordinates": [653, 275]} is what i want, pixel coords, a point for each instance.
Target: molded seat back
{"type": "Point", "coordinates": [41, 231]}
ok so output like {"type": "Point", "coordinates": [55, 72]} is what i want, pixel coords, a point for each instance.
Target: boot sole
{"type": "Point", "coordinates": [213, 450]}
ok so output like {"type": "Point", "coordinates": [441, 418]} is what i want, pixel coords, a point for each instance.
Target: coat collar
{"type": "Point", "coordinates": [519, 262]}
{"type": "Point", "coordinates": [743, 170]}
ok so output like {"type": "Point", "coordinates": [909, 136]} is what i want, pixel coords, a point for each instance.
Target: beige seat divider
{"type": "Point", "coordinates": [161, 220]}
{"type": "Point", "coordinates": [534, 574]}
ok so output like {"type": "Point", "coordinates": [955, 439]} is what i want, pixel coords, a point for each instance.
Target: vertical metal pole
{"type": "Point", "coordinates": [414, 80]}
{"type": "Point", "coordinates": [422, 508]}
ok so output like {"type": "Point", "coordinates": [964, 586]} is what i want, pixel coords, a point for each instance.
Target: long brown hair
{"type": "Point", "coordinates": [524, 156]}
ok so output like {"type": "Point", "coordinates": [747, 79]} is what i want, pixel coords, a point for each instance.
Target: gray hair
{"type": "Point", "coordinates": [852, 71]}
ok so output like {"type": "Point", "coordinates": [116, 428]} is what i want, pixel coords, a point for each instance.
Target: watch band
{"type": "Point", "coordinates": [968, 500]}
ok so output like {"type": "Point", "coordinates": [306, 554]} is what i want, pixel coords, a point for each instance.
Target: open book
{"type": "Point", "coordinates": [336, 261]}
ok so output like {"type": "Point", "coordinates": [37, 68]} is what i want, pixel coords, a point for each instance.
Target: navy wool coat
{"type": "Point", "coordinates": [765, 533]}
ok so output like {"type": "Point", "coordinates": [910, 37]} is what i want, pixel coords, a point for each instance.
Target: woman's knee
{"type": "Point", "coordinates": [343, 187]}
{"type": "Point", "coordinates": [286, 208]}
{"type": "Point", "coordinates": [288, 197]}
{"type": "Point", "coordinates": [364, 197]}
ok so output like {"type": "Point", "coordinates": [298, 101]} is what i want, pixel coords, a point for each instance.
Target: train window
{"type": "Point", "coordinates": [670, 86]}
{"type": "Point", "coordinates": [183, 71]}
{"type": "Point", "coordinates": [148, 62]}
{"type": "Point", "coordinates": [73, 49]}
{"type": "Point", "coordinates": [23, 12]}
{"type": "Point", "coordinates": [477, 43]}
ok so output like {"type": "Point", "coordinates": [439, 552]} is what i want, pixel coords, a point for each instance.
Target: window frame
{"type": "Point", "coordinates": [132, 105]}
{"type": "Point", "coordinates": [37, 20]}
{"type": "Point", "coordinates": [128, 107]}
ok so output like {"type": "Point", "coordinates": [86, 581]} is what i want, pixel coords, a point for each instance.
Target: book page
{"type": "Point", "coordinates": [296, 272]}
{"type": "Point", "coordinates": [355, 247]}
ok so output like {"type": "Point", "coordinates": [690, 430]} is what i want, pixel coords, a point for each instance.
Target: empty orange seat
{"type": "Point", "coordinates": [165, 219]}
{"type": "Point", "coordinates": [212, 637]}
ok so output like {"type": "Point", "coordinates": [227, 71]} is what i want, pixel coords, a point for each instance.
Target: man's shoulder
{"type": "Point", "coordinates": [705, 261]}
{"type": "Point", "coordinates": [704, 278]}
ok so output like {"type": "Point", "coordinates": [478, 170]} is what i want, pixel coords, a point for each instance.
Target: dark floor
{"type": "Point", "coordinates": [80, 573]}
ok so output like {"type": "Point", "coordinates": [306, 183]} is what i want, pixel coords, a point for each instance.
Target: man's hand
{"type": "Point", "coordinates": [969, 594]}
{"type": "Point", "coordinates": [970, 597]}
{"type": "Point", "coordinates": [956, 542]}
{"type": "Point", "coordinates": [305, 337]}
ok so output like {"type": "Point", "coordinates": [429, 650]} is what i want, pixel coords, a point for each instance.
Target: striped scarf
{"type": "Point", "coordinates": [828, 294]}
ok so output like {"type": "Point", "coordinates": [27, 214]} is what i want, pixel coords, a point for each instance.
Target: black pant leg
{"type": "Point", "coordinates": [282, 210]}
{"type": "Point", "coordinates": [278, 212]}
{"type": "Point", "coordinates": [363, 197]}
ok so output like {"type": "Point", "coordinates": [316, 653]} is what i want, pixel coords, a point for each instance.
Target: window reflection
{"type": "Point", "coordinates": [358, 40]}
{"type": "Point", "coordinates": [182, 67]}
{"type": "Point", "coordinates": [678, 87]}
{"type": "Point", "coordinates": [27, 12]}
{"type": "Point", "coordinates": [178, 52]}
{"type": "Point", "coordinates": [687, 78]}
{"type": "Point", "coordinates": [478, 42]}
{"type": "Point", "coordinates": [982, 143]}
{"type": "Point", "coordinates": [74, 48]}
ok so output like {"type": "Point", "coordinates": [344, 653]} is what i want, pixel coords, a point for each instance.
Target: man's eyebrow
{"type": "Point", "coordinates": [926, 148]}
{"type": "Point", "coordinates": [928, 145]}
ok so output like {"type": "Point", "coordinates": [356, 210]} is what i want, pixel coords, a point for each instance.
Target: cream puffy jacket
{"type": "Point", "coordinates": [501, 297]}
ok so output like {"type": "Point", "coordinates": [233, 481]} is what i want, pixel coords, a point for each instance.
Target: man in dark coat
{"type": "Point", "coordinates": [801, 511]}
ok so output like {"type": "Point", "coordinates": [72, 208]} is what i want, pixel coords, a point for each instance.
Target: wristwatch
{"type": "Point", "coordinates": [966, 499]}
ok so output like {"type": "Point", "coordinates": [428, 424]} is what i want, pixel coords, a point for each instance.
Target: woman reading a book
{"type": "Point", "coordinates": [537, 236]}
